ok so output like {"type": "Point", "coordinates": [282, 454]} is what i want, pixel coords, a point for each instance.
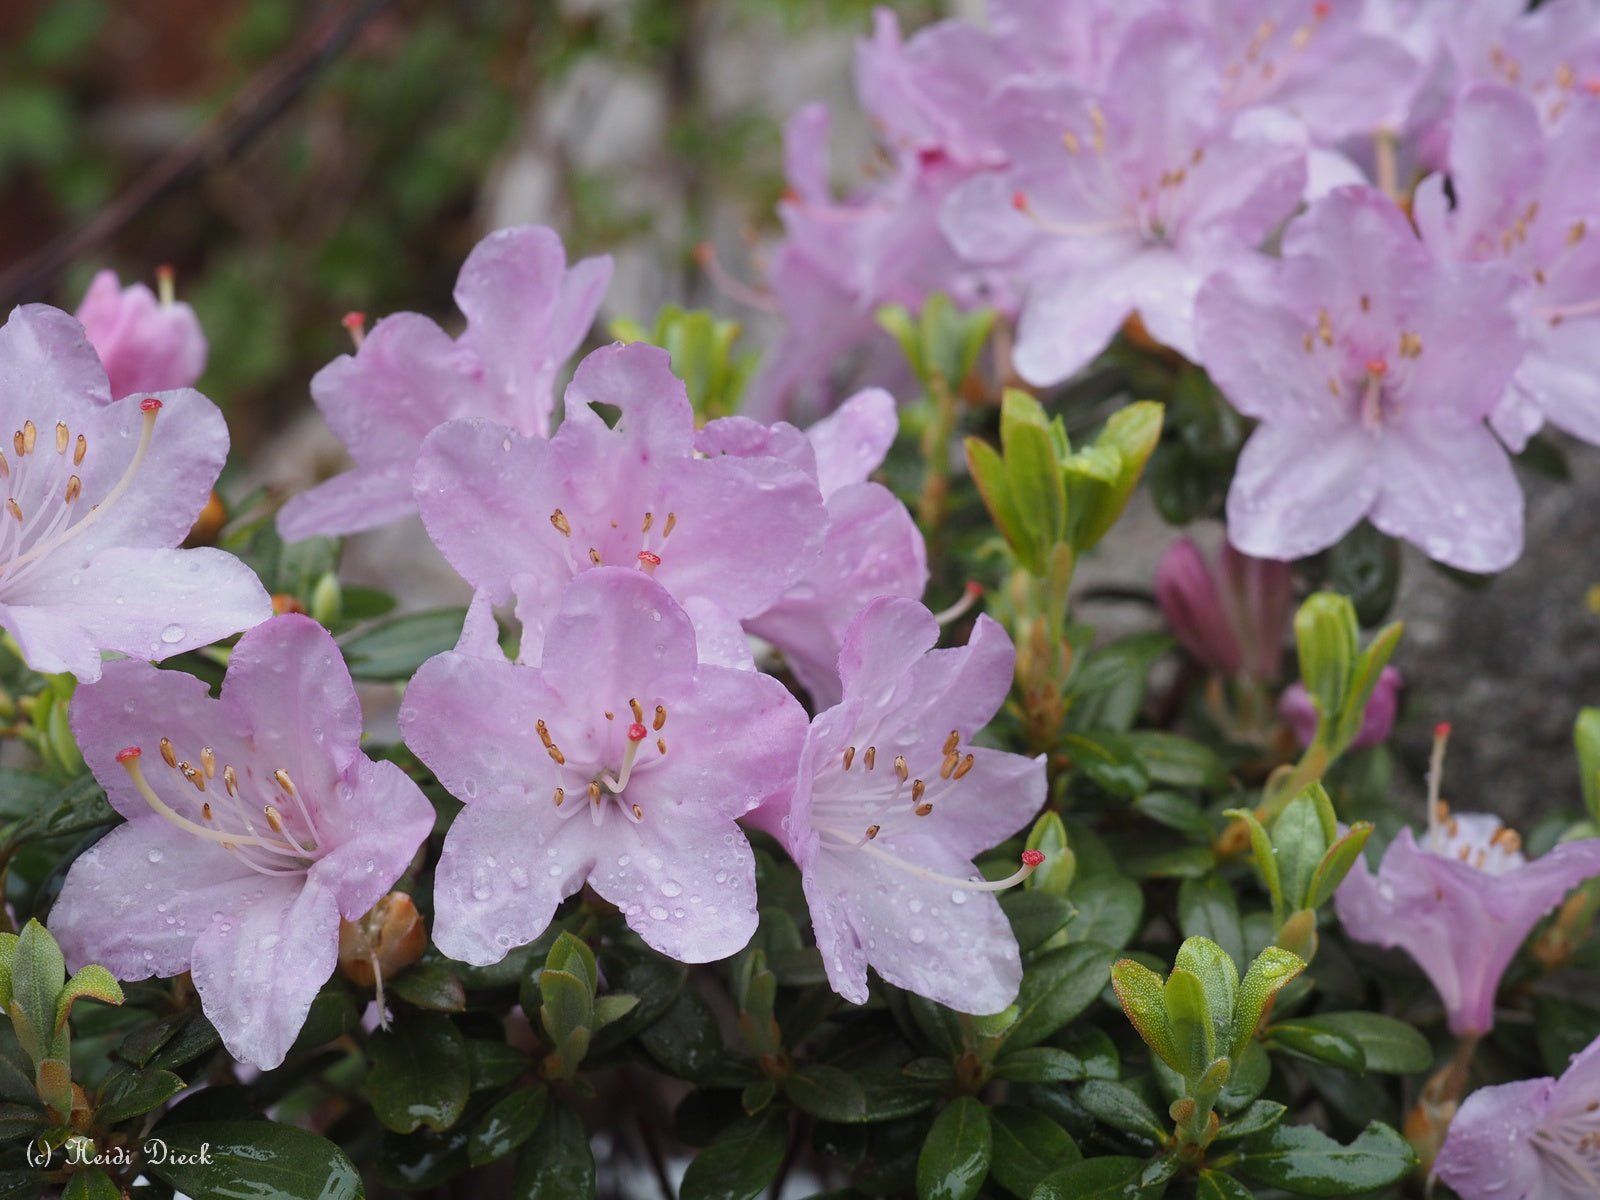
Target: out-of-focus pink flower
{"type": "Point", "coordinates": [98, 494]}
{"type": "Point", "coordinates": [1233, 618]}
{"type": "Point", "coordinates": [254, 823]}
{"type": "Point", "coordinates": [147, 344]}
{"type": "Point", "coordinates": [1462, 902]}
{"type": "Point", "coordinates": [1123, 202]}
{"type": "Point", "coordinates": [893, 802]}
{"type": "Point", "coordinates": [1535, 1139]}
{"type": "Point", "coordinates": [527, 312]}
{"type": "Point", "coordinates": [1532, 202]}
{"type": "Point", "coordinates": [1297, 711]}
{"type": "Point", "coordinates": [872, 546]}
{"type": "Point", "coordinates": [620, 761]}
{"type": "Point", "coordinates": [1370, 365]}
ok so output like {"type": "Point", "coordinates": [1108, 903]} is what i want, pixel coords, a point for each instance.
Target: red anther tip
{"type": "Point", "coordinates": [704, 253]}
{"type": "Point", "coordinates": [637, 732]}
{"type": "Point", "coordinates": [128, 754]}
{"type": "Point", "coordinates": [1019, 201]}
{"type": "Point", "coordinates": [1442, 729]}
{"type": "Point", "coordinates": [1032, 858]}
{"type": "Point", "coordinates": [1322, 8]}
{"type": "Point", "coordinates": [1377, 366]}
{"type": "Point", "coordinates": [149, 404]}
{"type": "Point", "coordinates": [646, 556]}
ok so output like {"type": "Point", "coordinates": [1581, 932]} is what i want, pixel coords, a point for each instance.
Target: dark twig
{"type": "Point", "coordinates": [259, 103]}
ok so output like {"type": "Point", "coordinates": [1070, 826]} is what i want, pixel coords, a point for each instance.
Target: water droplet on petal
{"type": "Point", "coordinates": [172, 634]}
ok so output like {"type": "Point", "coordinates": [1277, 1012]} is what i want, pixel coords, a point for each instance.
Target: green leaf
{"type": "Point", "coordinates": [1364, 680]}
{"type": "Point", "coordinates": [1387, 1045]}
{"type": "Point", "coordinates": [1325, 632]}
{"type": "Point", "coordinates": [1131, 433]}
{"type": "Point", "coordinates": [1586, 738]}
{"type": "Point", "coordinates": [1207, 908]}
{"type": "Point", "coordinates": [38, 972]}
{"type": "Point", "coordinates": [1189, 1017]}
{"type": "Point", "coordinates": [686, 1041]}
{"type": "Point", "coordinates": [827, 1092]}
{"type": "Point", "coordinates": [420, 1073]}
{"type": "Point", "coordinates": [93, 982]}
{"type": "Point", "coordinates": [1041, 1064]}
{"type": "Point", "coordinates": [1121, 1108]}
{"type": "Point", "coordinates": [430, 986]}
{"type": "Point", "coordinates": [1271, 971]}
{"type": "Point", "coordinates": [989, 475]}
{"type": "Point", "coordinates": [1110, 1177]}
{"type": "Point", "coordinates": [556, 1163]}
{"type": "Point", "coordinates": [1319, 1044]}
{"type": "Point", "coordinates": [1298, 840]}
{"type": "Point", "coordinates": [1214, 1185]}
{"type": "Point", "coordinates": [134, 1093]}
{"type": "Point", "coordinates": [1251, 1072]}
{"type": "Point", "coordinates": [252, 1160]}
{"type": "Point", "coordinates": [1109, 907]}
{"type": "Point", "coordinates": [1054, 876]}
{"type": "Point", "coordinates": [955, 1155]}
{"type": "Point", "coordinates": [1266, 862]}
{"type": "Point", "coordinates": [507, 1125]}
{"type": "Point", "coordinates": [1260, 1116]}
{"type": "Point", "coordinates": [741, 1162]}
{"type": "Point", "coordinates": [1209, 964]}
{"type": "Point", "coordinates": [1035, 916]}
{"type": "Point", "coordinates": [567, 1015]}
{"type": "Point", "coordinates": [1179, 762]}
{"type": "Point", "coordinates": [393, 648]}
{"type": "Point", "coordinates": [1027, 1147]}
{"type": "Point", "coordinates": [1307, 1162]}
{"type": "Point", "coordinates": [613, 1007]}
{"type": "Point", "coordinates": [92, 1184]}
{"type": "Point", "coordinates": [1032, 471]}
{"type": "Point", "coordinates": [1057, 987]}
{"type": "Point", "coordinates": [1109, 759]}
{"type": "Point", "coordinates": [8, 951]}
{"type": "Point", "coordinates": [1336, 864]}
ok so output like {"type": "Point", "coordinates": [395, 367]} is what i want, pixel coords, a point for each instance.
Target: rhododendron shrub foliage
{"type": "Point", "coordinates": [771, 816]}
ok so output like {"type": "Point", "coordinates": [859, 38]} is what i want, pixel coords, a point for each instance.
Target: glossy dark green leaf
{"type": "Point", "coordinates": [1108, 909]}
{"type": "Point", "coordinates": [1214, 1185]}
{"type": "Point", "coordinates": [91, 1184]}
{"type": "Point", "coordinates": [1035, 916]}
{"type": "Point", "coordinates": [1251, 1071]}
{"type": "Point", "coordinates": [252, 1160]}
{"type": "Point", "coordinates": [507, 1125]}
{"type": "Point", "coordinates": [135, 1093]}
{"type": "Point", "coordinates": [420, 1073]}
{"type": "Point", "coordinates": [955, 1156]}
{"type": "Point", "coordinates": [394, 647]}
{"type": "Point", "coordinates": [430, 986]}
{"type": "Point", "coordinates": [1179, 762]}
{"type": "Point", "coordinates": [686, 1041]}
{"type": "Point", "coordinates": [1260, 1116]}
{"type": "Point", "coordinates": [1388, 1045]}
{"type": "Point", "coordinates": [1110, 1177]}
{"type": "Point", "coordinates": [492, 1064]}
{"type": "Point", "coordinates": [1109, 684]}
{"type": "Point", "coordinates": [556, 1163]}
{"type": "Point", "coordinates": [1027, 1147]}
{"type": "Point", "coordinates": [826, 1091]}
{"type": "Point", "coordinates": [741, 1162]}
{"type": "Point", "coordinates": [1121, 1108]}
{"type": "Point", "coordinates": [1563, 1028]}
{"type": "Point", "coordinates": [1040, 1064]}
{"type": "Point", "coordinates": [1304, 1160]}
{"type": "Point", "coordinates": [1057, 987]}
{"type": "Point", "coordinates": [1177, 812]}
{"type": "Point", "coordinates": [1320, 1043]}
{"type": "Point", "coordinates": [170, 1042]}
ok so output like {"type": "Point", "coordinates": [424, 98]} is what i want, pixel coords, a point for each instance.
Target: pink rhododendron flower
{"type": "Point", "coordinates": [894, 801]}
{"type": "Point", "coordinates": [872, 546]}
{"type": "Point", "coordinates": [1535, 1139]}
{"type": "Point", "coordinates": [1232, 617]}
{"type": "Point", "coordinates": [1533, 203]}
{"type": "Point", "coordinates": [619, 761]}
{"type": "Point", "coordinates": [254, 824]}
{"type": "Point", "coordinates": [843, 259]}
{"type": "Point", "coordinates": [1075, 42]}
{"type": "Point", "coordinates": [1550, 53]}
{"type": "Point", "coordinates": [1300, 714]}
{"type": "Point", "coordinates": [97, 494]}
{"type": "Point", "coordinates": [522, 515]}
{"type": "Point", "coordinates": [1123, 202]}
{"type": "Point", "coordinates": [146, 344]}
{"type": "Point", "coordinates": [527, 313]}
{"type": "Point", "coordinates": [1462, 902]}
{"type": "Point", "coordinates": [1370, 365]}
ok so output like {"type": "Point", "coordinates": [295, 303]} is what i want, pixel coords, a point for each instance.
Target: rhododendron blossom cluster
{"type": "Point", "coordinates": [802, 795]}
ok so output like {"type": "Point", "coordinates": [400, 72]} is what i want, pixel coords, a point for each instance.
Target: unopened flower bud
{"type": "Point", "coordinates": [390, 938]}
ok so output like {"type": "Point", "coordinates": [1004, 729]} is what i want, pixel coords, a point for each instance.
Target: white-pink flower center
{"type": "Point", "coordinates": [600, 782]}
{"type": "Point", "coordinates": [614, 549]}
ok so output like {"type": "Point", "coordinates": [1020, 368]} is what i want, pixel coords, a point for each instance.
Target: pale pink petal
{"type": "Point", "coordinates": [388, 818]}
{"type": "Point", "coordinates": [135, 901]}
{"type": "Point", "coordinates": [1489, 1151]}
{"type": "Point", "coordinates": [853, 440]}
{"type": "Point", "coordinates": [360, 499]}
{"type": "Point", "coordinates": [1300, 488]}
{"type": "Point", "coordinates": [258, 968]}
{"type": "Point", "coordinates": [1450, 490]}
{"type": "Point", "coordinates": [47, 368]}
